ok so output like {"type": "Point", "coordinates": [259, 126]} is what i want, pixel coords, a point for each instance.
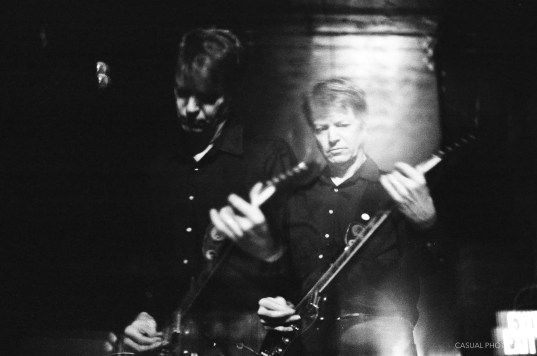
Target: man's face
{"type": "Point", "coordinates": [340, 135]}
{"type": "Point", "coordinates": [199, 103]}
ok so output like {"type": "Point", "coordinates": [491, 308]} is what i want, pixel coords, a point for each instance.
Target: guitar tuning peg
{"type": "Point", "coordinates": [103, 68]}
{"type": "Point", "coordinates": [103, 75]}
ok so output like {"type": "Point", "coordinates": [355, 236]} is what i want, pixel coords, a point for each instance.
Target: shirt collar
{"type": "Point", "coordinates": [231, 139]}
{"type": "Point", "coordinates": [368, 171]}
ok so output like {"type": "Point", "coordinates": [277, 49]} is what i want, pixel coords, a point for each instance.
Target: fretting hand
{"type": "Point", "coordinates": [245, 224]}
{"type": "Point", "coordinates": [407, 187]}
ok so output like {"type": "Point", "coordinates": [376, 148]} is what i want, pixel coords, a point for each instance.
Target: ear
{"type": "Point", "coordinates": [364, 127]}
{"type": "Point", "coordinates": [363, 123]}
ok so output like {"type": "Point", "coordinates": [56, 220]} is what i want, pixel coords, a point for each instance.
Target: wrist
{"type": "Point", "coordinates": [425, 224]}
{"type": "Point", "coordinates": [275, 255]}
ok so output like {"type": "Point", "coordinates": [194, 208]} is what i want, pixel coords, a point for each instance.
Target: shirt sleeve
{"type": "Point", "coordinates": [435, 244]}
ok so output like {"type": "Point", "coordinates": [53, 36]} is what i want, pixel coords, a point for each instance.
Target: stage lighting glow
{"type": "Point", "coordinates": [403, 120]}
{"type": "Point", "coordinates": [516, 333]}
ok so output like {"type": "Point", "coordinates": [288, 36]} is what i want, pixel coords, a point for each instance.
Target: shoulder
{"type": "Point", "coordinates": [266, 142]}
{"type": "Point", "coordinates": [269, 148]}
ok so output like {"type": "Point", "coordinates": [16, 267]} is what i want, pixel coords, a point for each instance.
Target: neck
{"type": "Point", "coordinates": [340, 173]}
{"type": "Point", "coordinates": [195, 143]}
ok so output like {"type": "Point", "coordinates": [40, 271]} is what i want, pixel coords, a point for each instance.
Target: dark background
{"type": "Point", "coordinates": [72, 155]}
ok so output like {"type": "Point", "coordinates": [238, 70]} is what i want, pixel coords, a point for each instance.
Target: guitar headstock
{"type": "Point", "coordinates": [288, 174]}
{"type": "Point", "coordinates": [269, 186]}
{"type": "Point", "coordinates": [436, 158]}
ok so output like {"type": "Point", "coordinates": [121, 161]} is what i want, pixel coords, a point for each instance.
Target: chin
{"type": "Point", "coordinates": [193, 130]}
{"type": "Point", "coordinates": [339, 160]}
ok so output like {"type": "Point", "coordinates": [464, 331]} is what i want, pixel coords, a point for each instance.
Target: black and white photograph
{"type": "Point", "coordinates": [268, 178]}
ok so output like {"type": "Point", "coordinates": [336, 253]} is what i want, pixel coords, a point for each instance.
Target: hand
{"type": "Point", "coordinates": [141, 335]}
{"type": "Point", "coordinates": [408, 188]}
{"type": "Point", "coordinates": [245, 224]}
{"type": "Point", "coordinates": [111, 344]}
{"type": "Point", "coordinates": [277, 314]}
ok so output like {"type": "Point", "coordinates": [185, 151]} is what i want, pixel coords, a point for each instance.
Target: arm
{"type": "Point", "coordinates": [406, 185]}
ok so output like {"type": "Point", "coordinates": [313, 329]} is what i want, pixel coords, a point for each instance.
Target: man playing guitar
{"type": "Point", "coordinates": [371, 308]}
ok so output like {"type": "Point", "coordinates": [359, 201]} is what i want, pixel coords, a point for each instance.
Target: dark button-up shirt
{"type": "Point", "coordinates": [382, 277]}
{"type": "Point", "coordinates": [182, 192]}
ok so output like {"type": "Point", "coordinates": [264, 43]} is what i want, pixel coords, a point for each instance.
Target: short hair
{"type": "Point", "coordinates": [214, 53]}
{"type": "Point", "coordinates": [333, 93]}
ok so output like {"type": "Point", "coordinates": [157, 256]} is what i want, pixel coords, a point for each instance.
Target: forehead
{"type": "Point", "coordinates": [197, 81]}
{"type": "Point", "coordinates": [335, 114]}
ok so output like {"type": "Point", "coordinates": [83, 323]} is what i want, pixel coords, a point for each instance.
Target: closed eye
{"type": "Point", "coordinates": [207, 99]}
{"type": "Point", "coordinates": [320, 129]}
{"type": "Point", "coordinates": [342, 124]}
{"type": "Point", "coordinates": [182, 93]}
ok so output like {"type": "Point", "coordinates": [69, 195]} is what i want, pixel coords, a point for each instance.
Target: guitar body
{"type": "Point", "coordinates": [279, 343]}
{"type": "Point", "coordinates": [182, 337]}
{"type": "Point", "coordinates": [213, 333]}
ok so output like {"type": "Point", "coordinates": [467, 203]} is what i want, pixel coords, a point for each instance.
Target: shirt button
{"type": "Point", "coordinates": [321, 257]}
{"type": "Point", "coordinates": [185, 261]}
{"type": "Point", "coordinates": [188, 229]}
{"type": "Point", "coordinates": [330, 211]}
{"type": "Point", "coordinates": [336, 190]}
{"type": "Point", "coordinates": [365, 217]}
{"type": "Point", "coordinates": [191, 197]}
{"type": "Point", "coordinates": [326, 236]}
{"type": "Point", "coordinates": [196, 169]}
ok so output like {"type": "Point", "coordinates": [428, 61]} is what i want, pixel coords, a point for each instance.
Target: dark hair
{"type": "Point", "coordinates": [335, 92]}
{"type": "Point", "coordinates": [215, 54]}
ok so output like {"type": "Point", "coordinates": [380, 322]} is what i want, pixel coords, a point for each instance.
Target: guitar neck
{"type": "Point", "coordinates": [344, 258]}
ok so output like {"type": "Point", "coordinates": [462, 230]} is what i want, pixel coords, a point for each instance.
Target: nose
{"type": "Point", "coordinates": [332, 136]}
{"type": "Point", "coordinates": [192, 105]}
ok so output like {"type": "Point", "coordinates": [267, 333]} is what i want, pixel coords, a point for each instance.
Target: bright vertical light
{"type": "Point", "coordinates": [401, 91]}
